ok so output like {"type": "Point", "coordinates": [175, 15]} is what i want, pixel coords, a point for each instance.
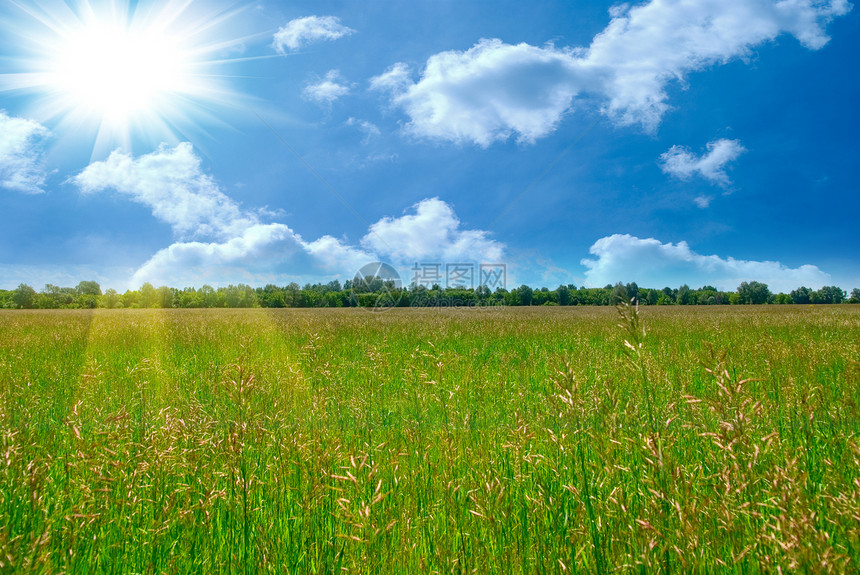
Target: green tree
{"type": "Point", "coordinates": [248, 297]}
{"type": "Point", "coordinates": [88, 288]}
{"type": "Point", "coordinates": [164, 297]}
{"type": "Point", "coordinates": [525, 294]}
{"type": "Point", "coordinates": [232, 296]}
{"type": "Point", "coordinates": [53, 297]}
{"type": "Point", "coordinates": [110, 299]}
{"type": "Point", "coordinates": [24, 297]}
{"type": "Point", "coordinates": [684, 295]}
{"type": "Point", "coordinates": [148, 296]}
{"type": "Point", "coordinates": [189, 298]}
{"type": "Point", "coordinates": [706, 295]}
{"type": "Point", "coordinates": [670, 295]}
{"type": "Point", "coordinates": [753, 292]}
{"type": "Point", "coordinates": [563, 294]}
{"type": "Point", "coordinates": [802, 295]}
{"type": "Point", "coordinates": [293, 296]}
{"type": "Point", "coordinates": [543, 296]}
{"type": "Point", "coordinates": [271, 296]}
{"type": "Point", "coordinates": [618, 294]}
{"type": "Point", "coordinates": [334, 299]}
{"type": "Point", "coordinates": [633, 292]}
{"type": "Point", "coordinates": [130, 299]}
{"type": "Point", "coordinates": [208, 296]}
{"type": "Point", "coordinates": [855, 296]}
{"type": "Point", "coordinates": [829, 294]}
{"type": "Point", "coordinates": [499, 296]}
{"type": "Point", "coordinates": [653, 296]}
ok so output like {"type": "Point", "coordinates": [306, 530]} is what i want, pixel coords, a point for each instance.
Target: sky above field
{"type": "Point", "coordinates": [667, 142]}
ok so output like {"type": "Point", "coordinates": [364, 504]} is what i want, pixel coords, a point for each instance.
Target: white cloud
{"type": "Point", "coordinates": [683, 164]}
{"type": "Point", "coordinates": [396, 79]}
{"type": "Point", "coordinates": [495, 90]}
{"type": "Point", "coordinates": [646, 47]}
{"type": "Point", "coordinates": [328, 90]}
{"type": "Point", "coordinates": [487, 93]}
{"type": "Point", "coordinates": [654, 264]}
{"type": "Point", "coordinates": [272, 252]}
{"type": "Point", "coordinates": [336, 256]}
{"type": "Point", "coordinates": [171, 182]}
{"type": "Point", "coordinates": [432, 234]}
{"type": "Point", "coordinates": [261, 253]}
{"type": "Point", "coordinates": [20, 148]}
{"type": "Point", "coordinates": [304, 31]}
{"type": "Point", "coordinates": [220, 242]}
{"type": "Point", "coordinates": [703, 201]}
{"type": "Point", "coordinates": [369, 128]}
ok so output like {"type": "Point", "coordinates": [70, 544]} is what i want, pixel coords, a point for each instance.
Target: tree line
{"type": "Point", "coordinates": [379, 293]}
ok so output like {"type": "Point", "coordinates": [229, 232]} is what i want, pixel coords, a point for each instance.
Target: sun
{"type": "Point", "coordinates": [122, 71]}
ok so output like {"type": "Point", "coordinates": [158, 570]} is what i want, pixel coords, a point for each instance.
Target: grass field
{"type": "Point", "coordinates": [431, 441]}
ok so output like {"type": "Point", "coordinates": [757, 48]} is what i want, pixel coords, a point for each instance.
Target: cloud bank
{"type": "Point", "coordinates": [651, 263]}
{"type": "Point", "coordinates": [221, 242]}
{"type": "Point", "coordinates": [302, 32]}
{"type": "Point", "coordinates": [20, 151]}
{"type": "Point", "coordinates": [494, 91]}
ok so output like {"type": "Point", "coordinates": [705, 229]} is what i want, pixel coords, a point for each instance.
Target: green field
{"type": "Point", "coordinates": [430, 441]}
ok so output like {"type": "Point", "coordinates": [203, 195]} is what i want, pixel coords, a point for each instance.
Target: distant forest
{"type": "Point", "coordinates": [376, 292]}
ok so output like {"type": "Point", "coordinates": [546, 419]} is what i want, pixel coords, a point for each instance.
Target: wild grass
{"type": "Point", "coordinates": [431, 441]}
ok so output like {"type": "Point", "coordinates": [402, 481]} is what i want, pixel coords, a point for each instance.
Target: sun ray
{"type": "Point", "coordinates": [120, 72]}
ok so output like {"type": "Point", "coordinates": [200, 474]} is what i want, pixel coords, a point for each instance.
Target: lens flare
{"type": "Point", "coordinates": [121, 71]}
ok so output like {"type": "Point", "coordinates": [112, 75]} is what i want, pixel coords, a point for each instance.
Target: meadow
{"type": "Point", "coordinates": [512, 440]}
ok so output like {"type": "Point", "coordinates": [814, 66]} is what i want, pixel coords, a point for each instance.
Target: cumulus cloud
{"type": "Point", "coordinates": [262, 253]}
{"type": "Point", "coordinates": [20, 150]}
{"type": "Point", "coordinates": [171, 182]}
{"type": "Point", "coordinates": [336, 255]}
{"type": "Point", "coordinates": [646, 47]}
{"type": "Point", "coordinates": [652, 263]}
{"type": "Point", "coordinates": [304, 31]}
{"type": "Point", "coordinates": [487, 93]}
{"type": "Point", "coordinates": [221, 242]}
{"type": "Point", "coordinates": [711, 165]}
{"type": "Point", "coordinates": [328, 90]}
{"type": "Point", "coordinates": [432, 233]}
{"type": "Point", "coordinates": [495, 90]}
{"type": "Point", "coordinates": [266, 252]}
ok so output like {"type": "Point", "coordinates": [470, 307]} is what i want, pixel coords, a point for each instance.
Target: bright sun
{"type": "Point", "coordinates": [118, 72]}
{"type": "Point", "coordinates": [123, 71]}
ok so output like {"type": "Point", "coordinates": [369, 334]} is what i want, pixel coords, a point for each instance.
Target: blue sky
{"type": "Point", "coordinates": [664, 142]}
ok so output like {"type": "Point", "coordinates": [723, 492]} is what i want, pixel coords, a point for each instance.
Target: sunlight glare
{"type": "Point", "coordinates": [123, 72]}
{"type": "Point", "coordinates": [119, 72]}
